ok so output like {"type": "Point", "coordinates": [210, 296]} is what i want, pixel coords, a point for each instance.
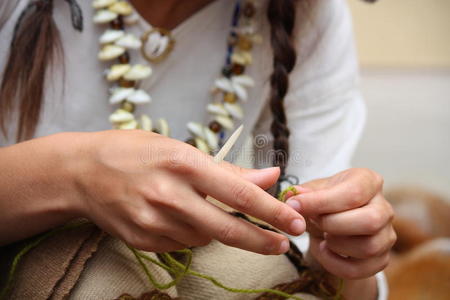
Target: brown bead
{"type": "Point", "coordinates": [245, 44]}
{"type": "Point", "coordinates": [126, 83]}
{"type": "Point", "coordinates": [229, 97]}
{"type": "Point", "coordinates": [238, 69]}
{"type": "Point", "coordinates": [117, 23]}
{"type": "Point", "coordinates": [215, 126]}
{"type": "Point", "coordinates": [232, 40]}
{"type": "Point", "coordinates": [190, 141]}
{"type": "Point", "coordinates": [249, 10]}
{"type": "Point", "coordinates": [124, 58]}
{"type": "Point", "coordinates": [128, 106]}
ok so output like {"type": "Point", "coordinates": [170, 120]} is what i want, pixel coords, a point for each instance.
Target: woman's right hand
{"type": "Point", "coordinates": [149, 190]}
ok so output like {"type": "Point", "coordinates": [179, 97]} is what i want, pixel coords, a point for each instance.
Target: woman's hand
{"type": "Point", "coordinates": [349, 222]}
{"type": "Point", "coordinates": [149, 191]}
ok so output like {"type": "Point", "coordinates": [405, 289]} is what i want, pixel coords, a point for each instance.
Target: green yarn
{"type": "Point", "coordinates": [27, 248]}
{"type": "Point", "coordinates": [170, 264]}
{"type": "Point", "coordinates": [283, 193]}
{"type": "Point", "coordinates": [180, 270]}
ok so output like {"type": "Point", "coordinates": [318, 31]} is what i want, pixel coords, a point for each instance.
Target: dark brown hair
{"type": "Point", "coordinates": [34, 47]}
{"type": "Point", "coordinates": [281, 16]}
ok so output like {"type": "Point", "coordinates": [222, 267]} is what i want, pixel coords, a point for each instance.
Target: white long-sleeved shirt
{"type": "Point", "coordinates": [324, 108]}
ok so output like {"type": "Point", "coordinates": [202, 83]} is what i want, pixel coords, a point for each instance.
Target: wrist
{"type": "Point", "coordinates": [69, 153]}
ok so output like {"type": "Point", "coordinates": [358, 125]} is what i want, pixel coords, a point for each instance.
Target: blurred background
{"type": "Point", "coordinates": [404, 51]}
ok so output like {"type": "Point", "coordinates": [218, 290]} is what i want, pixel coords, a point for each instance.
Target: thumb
{"type": "Point", "coordinates": [264, 178]}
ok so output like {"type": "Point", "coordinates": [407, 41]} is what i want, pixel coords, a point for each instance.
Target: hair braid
{"type": "Point", "coordinates": [281, 16]}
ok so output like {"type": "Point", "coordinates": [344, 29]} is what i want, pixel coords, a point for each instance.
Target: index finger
{"type": "Point", "coordinates": [233, 190]}
{"type": "Point", "coordinates": [342, 197]}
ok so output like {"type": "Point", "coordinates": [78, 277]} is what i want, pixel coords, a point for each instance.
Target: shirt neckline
{"type": "Point", "coordinates": [186, 24]}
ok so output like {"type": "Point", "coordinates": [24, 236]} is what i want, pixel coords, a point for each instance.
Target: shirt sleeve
{"type": "Point", "coordinates": [324, 108]}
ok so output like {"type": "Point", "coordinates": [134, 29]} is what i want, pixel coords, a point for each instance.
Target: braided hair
{"type": "Point", "coordinates": [281, 16]}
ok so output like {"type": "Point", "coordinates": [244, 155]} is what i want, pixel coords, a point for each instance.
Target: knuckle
{"type": "Point", "coordinates": [374, 222]}
{"type": "Point", "coordinates": [356, 196]}
{"type": "Point", "coordinates": [372, 248]}
{"type": "Point", "coordinates": [144, 221]}
{"type": "Point", "coordinates": [229, 234]}
{"type": "Point", "coordinates": [277, 215]}
{"type": "Point", "coordinates": [241, 194]}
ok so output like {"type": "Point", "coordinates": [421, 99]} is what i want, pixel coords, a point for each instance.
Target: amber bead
{"type": "Point", "coordinates": [128, 106]}
{"type": "Point", "coordinates": [229, 97]}
{"type": "Point", "coordinates": [117, 23]}
{"type": "Point", "coordinates": [232, 39]}
{"type": "Point", "coordinates": [215, 126]}
{"type": "Point", "coordinates": [245, 44]}
{"type": "Point", "coordinates": [190, 141]}
{"type": "Point", "coordinates": [238, 69]}
{"type": "Point", "coordinates": [249, 10]}
{"type": "Point", "coordinates": [124, 58]}
{"type": "Point", "coordinates": [126, 83]}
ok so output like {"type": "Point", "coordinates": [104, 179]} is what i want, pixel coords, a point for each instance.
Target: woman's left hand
{"type": "Point", "coordinates": [349, 222]}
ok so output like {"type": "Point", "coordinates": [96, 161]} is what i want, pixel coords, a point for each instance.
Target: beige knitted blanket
{"type": "Point", "coordinates": [85, 263]}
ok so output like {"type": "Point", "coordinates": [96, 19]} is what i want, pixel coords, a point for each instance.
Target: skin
{"type": "Point", "coordinates": [149, 191]}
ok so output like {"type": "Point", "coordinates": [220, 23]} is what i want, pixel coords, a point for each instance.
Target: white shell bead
{"type": "Point", "coordinates": [129, 41]}
{"type": "Point", "coordinates": [111, 36]}
{"type": "Point", "coordinates": [212, 138]}
{"type": "Point", "coordinates": [235, 110]}
{"type": "Point", "coordinates": [122, 8]}
{"type": "Point", "coordinates": [225, 122]}
{"type": "Point", "coordinates": [97, 4]}
{"type": "Point", "coordinates": [163, 127]}
{"type": "Point", "coordinates": [139, 97]}
{"type": "Point", "coordinates": [241, 92]}
{"type": "Point", "coordinates": [244, 80]}
{"type": "Point", "coordinates": [131, 19]}
{"type": "Point", "coordinates": [217, 109]}
{"type": "Point", "coordinates": [156, 44]}
{"type": "Point", "coordinates": [110, 52]}
{"type": "Point", "coordinates": [120, 94]}
{"type": "Point", "coordinates": [117, 71]}
{"type": "Point", "coordinates": [146, 123]}
{"type": "Point", "coordinates": [138, 72]}
{"type": "Point", "coordinates": [129, 125]}
{"type": "Point", "coordinates": [121, 116]}
{"type": "Point", "coordinates": [104, 16]}
{"type": "Point", "coordinates": [196, 129]}
{"type": "Point", "coordinates": [201, 145]}
{"type": "Point", "coordinates": [224, 84]}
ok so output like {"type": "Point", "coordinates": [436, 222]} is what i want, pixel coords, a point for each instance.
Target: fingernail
{"type": "Point", "coordinates": [284, 246]}
{"type": "Point", "coordinates": [294, 204]}
{"type": "Point", "coordinates": [297, 226]}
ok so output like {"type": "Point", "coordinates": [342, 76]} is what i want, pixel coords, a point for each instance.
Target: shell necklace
{"type": "Point", "coordinates": [155, 45]}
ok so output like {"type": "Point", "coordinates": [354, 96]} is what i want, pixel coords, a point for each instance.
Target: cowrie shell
{"type": "Point", "coordinates": [139, 97]}
{"type": "Point", "coordinates": [97, 4]}
{"type": "Point", "coordinates": [122, 8]}
{"type": "Point", "coordinates": [110, 52]}
{"type": "Point", "coordinates": [120, 94]}
{"type": "Point", "coordinates": [104, 16]}
{"type": "Point", "coordinates": [146, 123]}
{"type": "Point", "coordinates": [138, 72]}
{"type": "Point", "coordinates": [129, 41]}
{"type": "Point", "coordinates": [121, 116]}
{"type": "Point", "coordinates": [110, 36]}
{"type": "Point", "coordinates": [234, 109]}
{"type": "Point", "coordinates": [117, 71]}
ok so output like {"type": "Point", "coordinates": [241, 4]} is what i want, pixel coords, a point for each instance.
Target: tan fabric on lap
{"type": "Point", "coordinates": [55, 264]}
{"type": "Point", "coordinates": [235, 268]}
{"type": "Point", "coordinates": [114, 271]}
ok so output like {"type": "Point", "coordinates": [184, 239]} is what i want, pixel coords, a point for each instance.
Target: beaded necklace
{"type": "Point", "coordinates": [155, 45]}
